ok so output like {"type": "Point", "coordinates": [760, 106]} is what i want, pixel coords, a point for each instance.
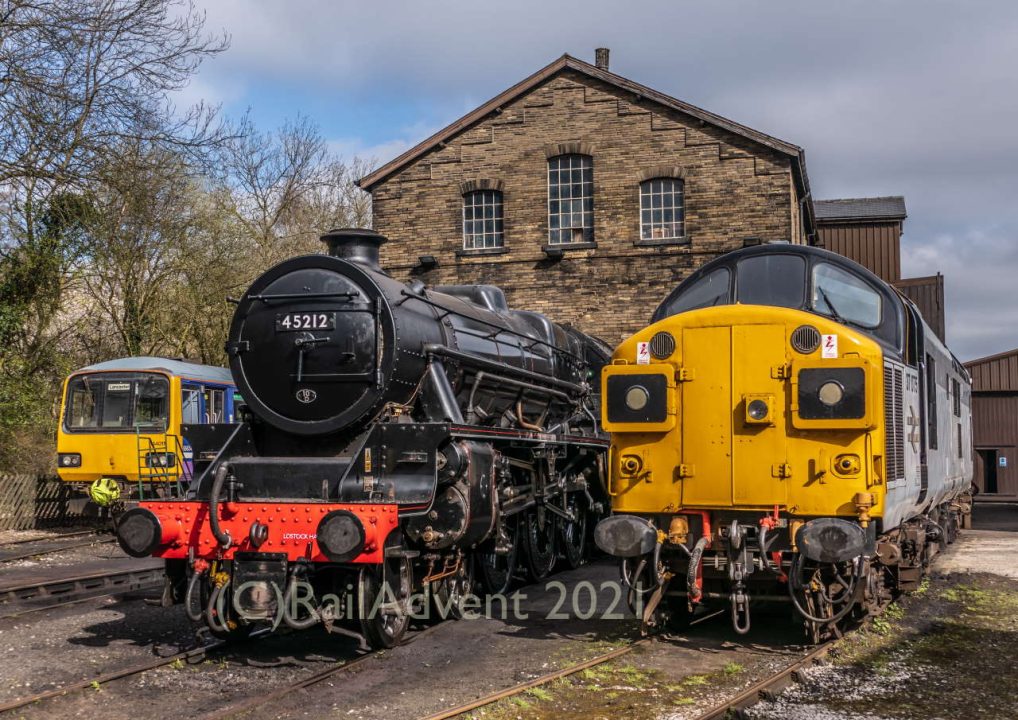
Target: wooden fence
{"type": "Point", "coordinates": [29, 502]}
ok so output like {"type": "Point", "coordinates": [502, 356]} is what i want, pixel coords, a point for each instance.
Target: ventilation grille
{"type": "Point", "coordinates": [894, 423]}
{"type": "Point", "coordinates": [662, 345]}
{"type": "Point", "coordinates": [805, 339]}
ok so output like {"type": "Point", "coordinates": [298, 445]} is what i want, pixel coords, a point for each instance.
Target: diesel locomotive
{"type": "Point", "coordinates": [396, 438]}
{"type": "Point", "coordinates": [789, 429]}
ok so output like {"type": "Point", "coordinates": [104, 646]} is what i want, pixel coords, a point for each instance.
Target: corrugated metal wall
{"type": "Point", "coordinates": [928, 295]}
{"type": "Point", "coordinates": [873, 245]}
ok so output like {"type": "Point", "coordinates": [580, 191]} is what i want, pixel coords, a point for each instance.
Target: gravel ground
{"type": "Point", "coordinates": [12, 536]}
{"type": "Point", "coordinates": [950, 646]}
{"type": "Point", "coordinates": [945, 652]}
{"type": "Point", "coordinates": [101, 548]}
{"type": "Point", "coordinates": [451, 663]}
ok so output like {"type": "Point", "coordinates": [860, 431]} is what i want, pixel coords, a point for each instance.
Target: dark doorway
{"type": "Point", "coordinates": [989, 463]}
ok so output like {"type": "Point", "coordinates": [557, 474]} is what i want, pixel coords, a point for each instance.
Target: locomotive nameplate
{"type": "Point", "coordinates": [296, 321]}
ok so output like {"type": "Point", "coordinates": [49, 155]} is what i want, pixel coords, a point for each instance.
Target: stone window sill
{"type": "Point", "coordinates": [546, 249]}
{"type": "Point", "coordinates": [481, 252]}
{"type": "Point", "coordinates": [667, 242]}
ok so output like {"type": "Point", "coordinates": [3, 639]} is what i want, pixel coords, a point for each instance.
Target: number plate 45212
{"type": "Point", "coordinates": [293, 321]}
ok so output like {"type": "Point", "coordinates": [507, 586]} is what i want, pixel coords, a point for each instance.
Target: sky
{"type": "Point", "coordinates": [896, 97]}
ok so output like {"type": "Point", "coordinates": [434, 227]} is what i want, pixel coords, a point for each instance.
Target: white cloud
{"type": "Point", "coordinates": [916, 97]}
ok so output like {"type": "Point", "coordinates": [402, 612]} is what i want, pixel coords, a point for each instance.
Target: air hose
{"type": "Point", "coordinates": [793, 586]}
{"type": "Point", "coordinates": [293, 622]}
{"type": "Point", "coordinates": [189, 597]}
{"type": "Point", "coordinates": [693, 593]}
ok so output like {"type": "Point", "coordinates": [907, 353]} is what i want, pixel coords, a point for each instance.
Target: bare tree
{"type": "Point", "coordinates": [78, 77]}
{"type": "Point", "coordinates": [287, 188]}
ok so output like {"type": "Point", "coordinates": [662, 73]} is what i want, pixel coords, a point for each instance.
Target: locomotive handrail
{"type": "Point", "coordinates": [303, 296]}
{"type": "Point", "coordinates": [509, 331]}
{"type": "Point", "coordinates": [436, 349]}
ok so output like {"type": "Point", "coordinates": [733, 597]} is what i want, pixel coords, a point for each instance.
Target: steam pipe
{"type": "Point", "coordinates": [222, 537]}
{"type": "Point", "coordinates": [492, 366]}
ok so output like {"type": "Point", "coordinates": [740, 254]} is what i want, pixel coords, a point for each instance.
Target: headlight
{"type": "Point", "coordinates": [637, 397]}
{"type": "Point", "coordinates": [758, 409]}
{"type": "Point", "coordinates": [831, 393]}
{"type": "Point", "coordinates": [160, 460]}
{"type": "Point", "coordinates": [69, 460]}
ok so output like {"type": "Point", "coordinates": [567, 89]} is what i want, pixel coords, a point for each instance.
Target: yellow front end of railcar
{"type": "Point", "coordinates": [746, 408]}
{"type": "Point", "coordinates": [95, 441]}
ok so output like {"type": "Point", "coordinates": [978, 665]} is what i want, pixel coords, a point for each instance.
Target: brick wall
{"type": "Point", "coordinates": [734, 189]}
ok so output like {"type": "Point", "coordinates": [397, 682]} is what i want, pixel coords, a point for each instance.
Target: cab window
{"type": "Point", "coordinates": [845, 297]}
{"type": "Point", "coordinates": [775, 280]}
{"type": "Point", "coordinates": [83, 399]}
{"type": "Point", "coordinates": [150, 409]}
{"type": "Point", "coordinates": [711, 289]}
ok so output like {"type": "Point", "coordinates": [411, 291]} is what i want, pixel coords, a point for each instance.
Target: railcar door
{"type": "Point", "coordinates": [191, 411]}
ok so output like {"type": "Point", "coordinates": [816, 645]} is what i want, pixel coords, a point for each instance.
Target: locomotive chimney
{"type": "Point", "coordinates": [601, 58]}
{"type": "Point", "coordinates": [358, 245]}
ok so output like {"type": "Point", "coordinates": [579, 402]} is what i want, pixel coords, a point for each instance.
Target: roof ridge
{"type": "Point", "coordinates": [548, 71]}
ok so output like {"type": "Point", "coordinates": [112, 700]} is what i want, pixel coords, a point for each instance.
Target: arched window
{"type": "Point", "coordinates": [570, 199]}
{"type": "Point", "coordinates": [662, 209]}
{"type": "Point", "coordinates": [483, 220]}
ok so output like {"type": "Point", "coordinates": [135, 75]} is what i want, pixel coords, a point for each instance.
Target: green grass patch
{"type": "Point", "coordinates": [539, 693]}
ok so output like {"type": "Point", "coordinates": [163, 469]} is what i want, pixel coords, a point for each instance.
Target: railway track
{"type": "Point", "coordinates": [768, 688]}
{"type": "Point", "coordinates": [247, 704]}
{"type": "Point", "coordinates": [196, 655]}
{"type": "Point", "coordinates": [92, 683]}
{"type": "Point", "coordinates": [47, 593]}
{"type": "Point", "coordinates": [20, 553]}
{"type": "Point", "coordinates": [62, 536]}
{"type": "Point", "coordinates": [531, 684]}
{"type": "Point", "coordinates": [765, 689]}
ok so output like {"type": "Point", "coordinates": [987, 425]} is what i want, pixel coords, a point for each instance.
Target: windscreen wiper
{"type": "Point", "coordinates": [834, 311]}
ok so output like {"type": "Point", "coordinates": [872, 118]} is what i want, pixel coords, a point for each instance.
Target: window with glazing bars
{"type": "Point", "coordinates": [662, 209]}
{"type": "Point", "coordinates": [483, 220]}
{"type": "Point", "coordinates": [570, 199]}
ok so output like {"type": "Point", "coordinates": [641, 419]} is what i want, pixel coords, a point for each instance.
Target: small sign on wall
{"type": "Point", "coordinates": [1002, 461]}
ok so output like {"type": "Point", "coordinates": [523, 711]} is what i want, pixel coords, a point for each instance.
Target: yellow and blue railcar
{"type": "Point", "coordinates": [787, 428]}
{"type": "Point", "coordinates": [120, 422]}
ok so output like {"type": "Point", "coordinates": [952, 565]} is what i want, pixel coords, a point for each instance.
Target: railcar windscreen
{"type": "Point", "coordinates": [107, 403]}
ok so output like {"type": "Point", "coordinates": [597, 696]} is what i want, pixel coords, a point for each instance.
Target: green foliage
{"type": "Point", "coordinates": [124, 225]}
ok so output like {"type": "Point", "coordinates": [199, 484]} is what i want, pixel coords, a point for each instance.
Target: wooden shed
{"type": "Point", "coordinates": [995, 423]}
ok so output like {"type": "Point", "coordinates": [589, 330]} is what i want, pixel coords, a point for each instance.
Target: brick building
{"type": "Point", "coordinates": [586, 196]}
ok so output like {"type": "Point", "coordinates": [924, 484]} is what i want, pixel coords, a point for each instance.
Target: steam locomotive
{"type": "Point", "coordinates": [397, 439]}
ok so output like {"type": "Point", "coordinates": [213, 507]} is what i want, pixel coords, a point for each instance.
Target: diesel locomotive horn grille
{"type": "Point", "coordinates": [805, 339]}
